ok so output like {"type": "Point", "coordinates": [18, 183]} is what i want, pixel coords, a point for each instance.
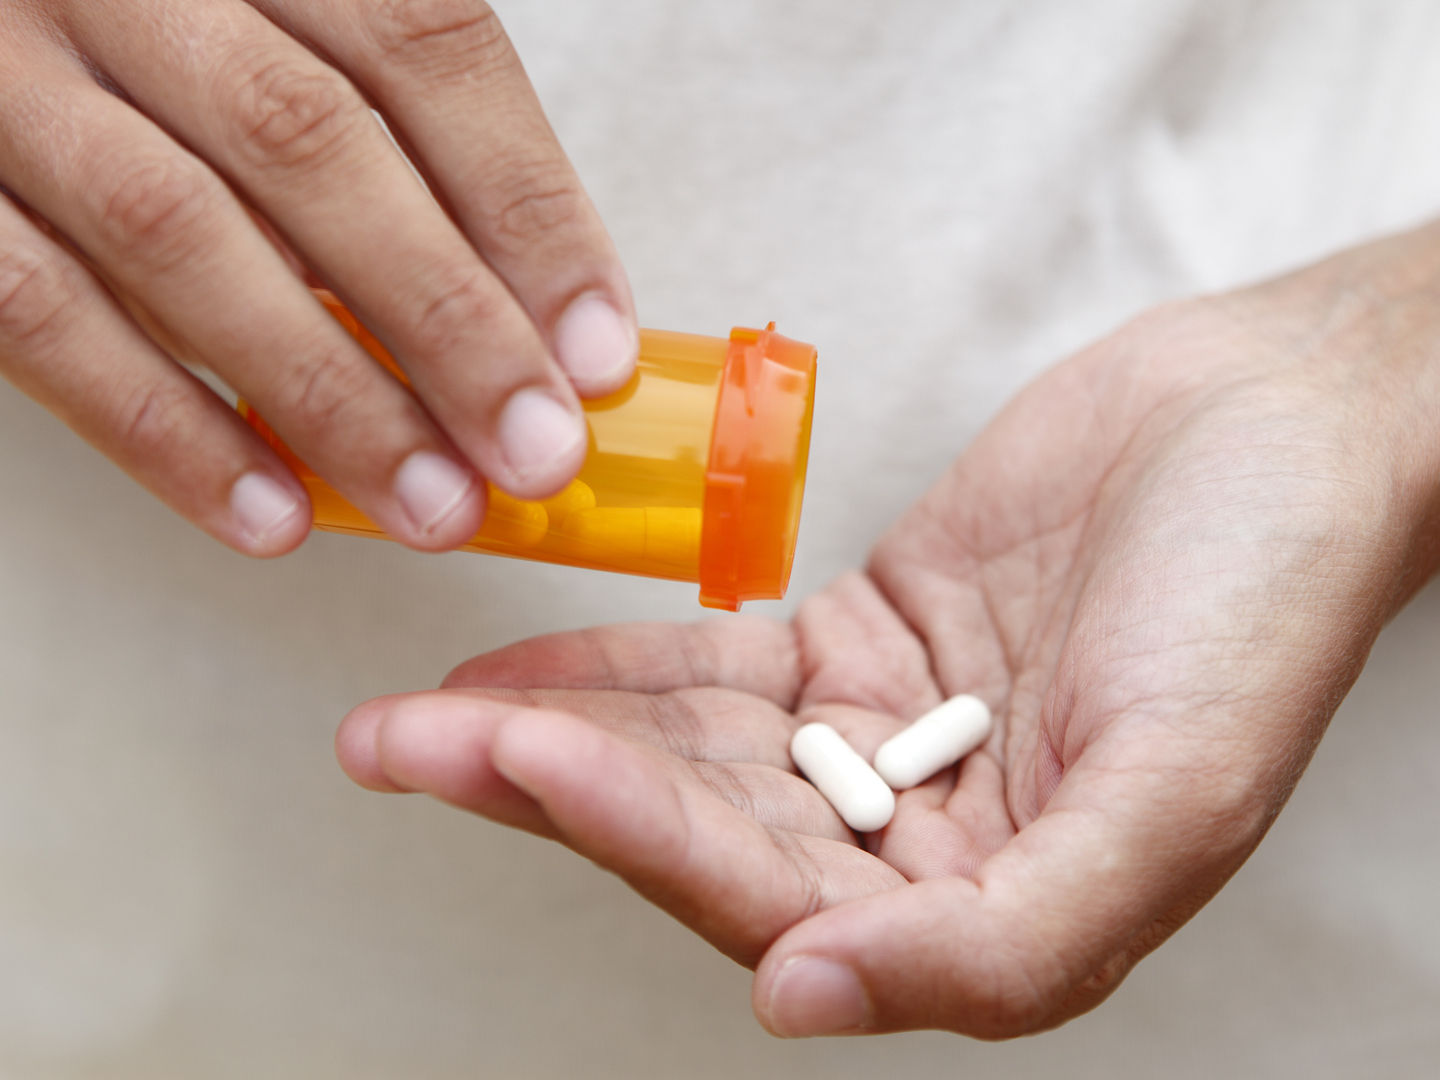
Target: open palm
{"type": "Point", "coordinates": [1162, 566]}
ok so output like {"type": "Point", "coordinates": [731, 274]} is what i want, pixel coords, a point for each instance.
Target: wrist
{"type": "Point", "coordinates": [1357, 338]}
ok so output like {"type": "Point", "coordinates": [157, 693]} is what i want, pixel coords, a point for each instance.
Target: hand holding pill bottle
{"type": "Point", "coordinates": [200, 162]}
{"type": "Point", "coordinates": [695, 469]}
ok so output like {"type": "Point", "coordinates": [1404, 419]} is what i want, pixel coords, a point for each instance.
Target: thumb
{"type": "Point", "coordinates": [1046, 930]}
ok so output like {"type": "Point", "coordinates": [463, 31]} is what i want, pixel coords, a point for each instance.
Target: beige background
{"type": "Point", "coordinates": [946, 196]}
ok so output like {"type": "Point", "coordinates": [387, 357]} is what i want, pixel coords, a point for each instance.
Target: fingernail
{"type": "Point", "coordinates": [812, 996]}
{"type": "Point", "coordinates": [430, 488]}
{"type": "Point", "coordinates": [595, 345]}
{"type": "Point", "coordinates": [262, 506]}
{"type": "Point", "coordinates": [537, 434]}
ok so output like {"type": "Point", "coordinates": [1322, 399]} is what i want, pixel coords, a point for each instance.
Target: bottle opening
{"type": "Point", "coordinates": [755, 480]}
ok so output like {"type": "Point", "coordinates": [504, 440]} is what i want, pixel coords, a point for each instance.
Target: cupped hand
{"type": "Point", "coordinates": [202, 158]}
{"type": "Point", "coordinates": [1163, 566]}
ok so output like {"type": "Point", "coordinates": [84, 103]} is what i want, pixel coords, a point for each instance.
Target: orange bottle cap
{"type": "Point", "coordinates": [756, 475]}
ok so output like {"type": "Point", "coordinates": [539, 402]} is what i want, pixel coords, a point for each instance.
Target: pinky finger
{"type": "Point", "coordinates": [67, 343]}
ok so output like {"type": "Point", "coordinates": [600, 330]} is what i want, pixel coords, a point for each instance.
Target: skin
{"type": "Point", "coordinates": [1163, 566]}
{"type": "Point", "coordinates": [190, 168]}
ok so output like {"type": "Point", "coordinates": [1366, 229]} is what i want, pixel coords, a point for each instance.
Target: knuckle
{"type": "Point", "coordinates": [538, 207]}
{"type": "Point", "coordinates": [1009, 995]}
{"type": "Point", "coordinates": [1104, 980]}
{"type": "Point", "coordinates": [152, 419]}
{"type": "Point", "coordinates": [461, 302]}
{"type": "Point", "coordinates": [155, 209]}
{"type": "Point", "coordinates": [466, 29]}
{"type": "Point", "coordinates": [317, 397]}
{"type": "Point", "coordinates": [286, 115]}
{"type": "Point", "coordinates": [35, 294]}
{"type": "Point", "coordinates": [1012, 1013]}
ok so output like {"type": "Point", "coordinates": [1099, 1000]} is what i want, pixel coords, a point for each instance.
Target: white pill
{"type": "Point", "coordinates": [936, 741]}
{"type": "Point", "coordinates": [854, 789]}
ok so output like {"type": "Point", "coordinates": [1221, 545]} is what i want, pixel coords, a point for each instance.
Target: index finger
{"type": "Point", "coordinates": [754, 656]}
{"type": "Point", "coordinates": [456, 96]}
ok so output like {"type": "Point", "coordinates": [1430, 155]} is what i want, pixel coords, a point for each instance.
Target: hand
{"type": "Point", "coordinates": [1163, 566]}
{"type": "Point", "coordinates": [183, 152]}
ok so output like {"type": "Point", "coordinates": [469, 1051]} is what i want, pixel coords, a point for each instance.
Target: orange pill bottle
{"type": "Point", "coordinates": [695, 471]}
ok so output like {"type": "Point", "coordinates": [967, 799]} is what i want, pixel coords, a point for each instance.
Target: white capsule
{"type": "Point", "coordinates": [854, 789]}
{"type": "Point", "coordinates": [936, 741]}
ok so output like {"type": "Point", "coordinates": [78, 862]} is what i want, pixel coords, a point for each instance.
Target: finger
{"type": "Point", "coordinates": [858, 651]}
{"type": "Point", "coordinates": [718, 871]}
{"type": "Point", "coordinates": [754, 656]}
{"type": "Point", "coordinates": [950, 825]}
{"type": "Point", "coordinates": [299, 140]}
{"type": "Point", "coordinates": [703, 725]}
{"type": "Point", "coordinates": [456, 94]}
{"type": "Point", "coordinates": [777, 799]}
{"type": "Point", "coordinates": [983, 567]}
{"type": "Point", "coordinates": [1048, 925]}
{"type": "Point", "coordinates": [170, 234]}
{"type": "Point", "coordinates": [357, 746]}
{"type": "Point", "coordinates": [67, 343]}
{"type": "Point", "coordinates": [697, 724]}
{"type": "Point", "coordinates": [864, 729]}
{"type": "Point", "coordinates": [440, 743]}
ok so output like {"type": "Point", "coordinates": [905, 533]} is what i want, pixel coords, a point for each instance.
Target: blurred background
{"type": "Point", "coordinates": [947, 197]}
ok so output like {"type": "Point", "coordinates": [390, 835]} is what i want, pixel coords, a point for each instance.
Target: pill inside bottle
{"type": "Point", "coordinates": [695, 469]}
{"type": "Point", "coordinates": [935, 741]}
{"type": "Point", "coordinates": [862, 799]}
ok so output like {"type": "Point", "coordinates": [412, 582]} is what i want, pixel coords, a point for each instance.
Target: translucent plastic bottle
{"type": "Point", "coordinates": [695, 471]}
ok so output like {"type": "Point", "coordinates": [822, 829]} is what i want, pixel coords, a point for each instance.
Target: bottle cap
{"type": "Point", "coordinates": [756, 474]}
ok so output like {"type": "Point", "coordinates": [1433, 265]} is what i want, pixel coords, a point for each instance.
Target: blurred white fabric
{"type": "Point", "coordinates": [947, 197]}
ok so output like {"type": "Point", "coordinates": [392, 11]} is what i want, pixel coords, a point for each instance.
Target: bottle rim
{"type": "Point", "coordinates": [755, 476]}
